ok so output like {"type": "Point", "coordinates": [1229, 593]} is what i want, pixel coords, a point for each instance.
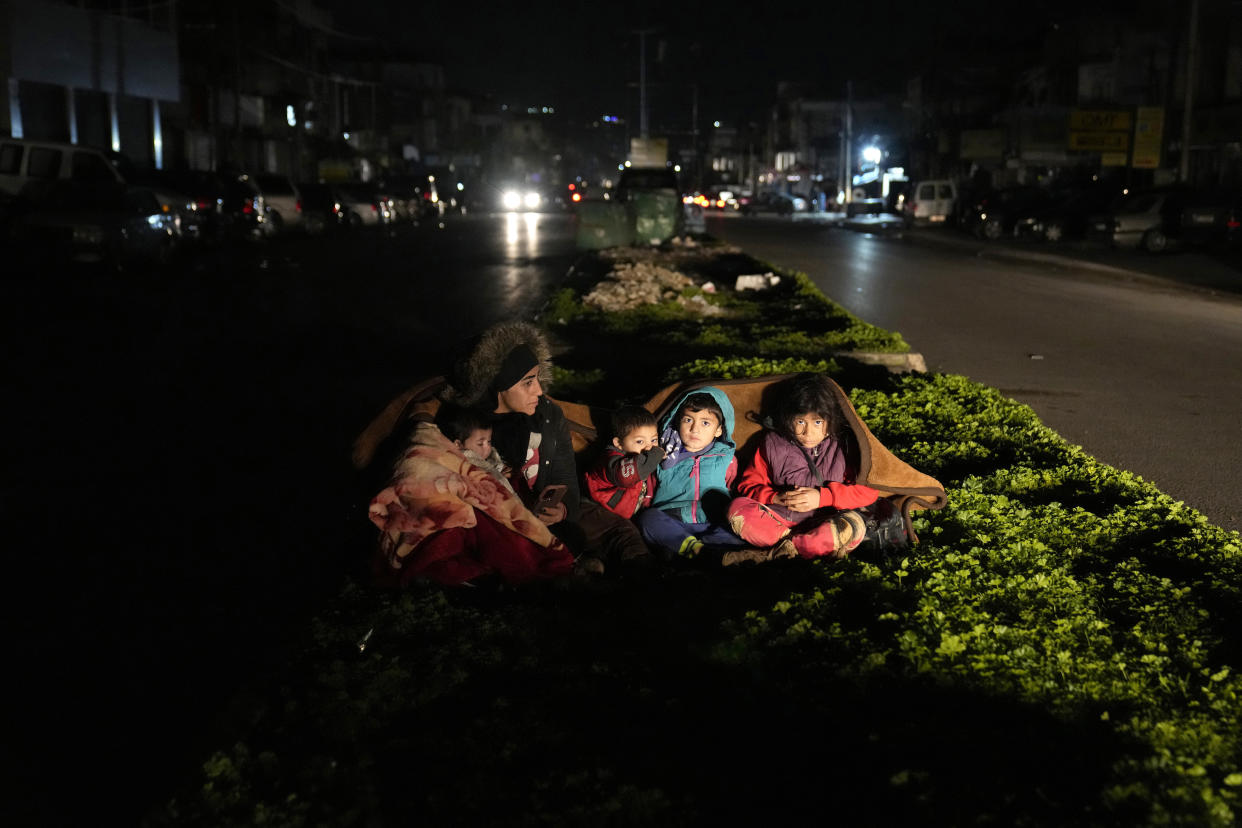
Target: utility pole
{"type": "Point", "coordinates": [642, 79]}
{"type": "Point", "coordinates": [847, 180]}
{"type": "Point", "coordinates": [1192, 53]}
{"type": "Point", "coordinates": [694, 134]}
{"type": "Point", "coordinates": [235, 148]}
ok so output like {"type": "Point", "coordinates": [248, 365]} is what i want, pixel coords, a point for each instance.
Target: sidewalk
{"type": "Point", "coordinates": [1213, 272]}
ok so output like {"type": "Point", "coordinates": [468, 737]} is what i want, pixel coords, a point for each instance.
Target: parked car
{"type": "Point", "coordinates": [282, 203]}
{"type": "Point", "coordinates": [1150, 219]}
{"type": "Point", "coordinates": [196, 217]}
{"type": "Point", "coordinates": [451, 189]}
{"type": "Point", "coordinates": [996, 214]}
{"type": "Point", "coordinates": [412, 197]}
{"type": "Point", "coordinates": [1212, 218]}
{"type": "Point", "coordinates": [94, 222]}
{"type": "Point", "coordinates": [1067, 215]}
{"type": "Point", "coordinates": [931, 202]}
{"type": "Point", "coordinates": [1160, 220]}
{"type": "Point", "coordinates": [867, 206]}
{"type": "Point", "coordinates": [772, 203]}
{"type": "Point", "coordinates": [11, 207]}
{"type": "Point", "coordinates": [323, 209]}
{"type": "Point", "coordinates": [23, 161]}
{"type": "Point", "coordinates": [221, 205]}
{"type": "Point", "coordinates": [363, 204]}
{"type": "Point", "coordinates": [724, 199]}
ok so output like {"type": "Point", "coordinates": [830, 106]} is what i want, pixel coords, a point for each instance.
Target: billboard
{"type": "Point", "coordinates": [1100, 130]}
{"type": "Point", "coordinates": [648, 152]}
{"type": "Point", "coordinates": [1099, 141]}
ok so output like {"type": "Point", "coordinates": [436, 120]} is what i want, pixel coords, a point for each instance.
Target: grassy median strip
{"type": "Point", "coordinates": [1060, 648]}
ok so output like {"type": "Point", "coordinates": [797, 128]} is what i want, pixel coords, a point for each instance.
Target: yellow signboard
{"type": "Point", "coordinates": [1099, 141]}
{"type": "Point", "coordinates": [1112, 159]}
{"type": "Point", "coordinates": [1148, 136]}
{"type": "Point", "coordinates": [648, 152]}
{"type": "Point", "coordinates": [1098, 120]}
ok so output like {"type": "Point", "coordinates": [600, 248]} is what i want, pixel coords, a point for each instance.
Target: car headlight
{"type": "Point", "coordinates": [531, 200]}
{"type": "Point", "coordinates": [511, 200]}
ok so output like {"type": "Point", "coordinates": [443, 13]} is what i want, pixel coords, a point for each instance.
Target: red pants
{"type": "Point", "coordinates": [454, 556]}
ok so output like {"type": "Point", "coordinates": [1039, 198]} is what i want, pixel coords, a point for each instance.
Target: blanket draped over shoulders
{"type": "Point", "coordinates": [434, 489]}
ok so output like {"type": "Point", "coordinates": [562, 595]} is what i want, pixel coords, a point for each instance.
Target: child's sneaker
{"type": "Point", "coordinates": [755, 523]}
{"type": "Point", "coordinates": [784, 549]}
{"type": "Point", "coordinates": [690, 547]}
{"type": "Point", "coordinates": [588, 565]}
{"type": "Point", "coordinates": [835, 538]}
{"type": "Point", "coordinates": [855, 535]}
{"type": "Point", "coordinates": [745, 554]}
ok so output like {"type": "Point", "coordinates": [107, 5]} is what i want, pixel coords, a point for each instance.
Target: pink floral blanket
{"type": "Point", "coordinates": [436, 488]}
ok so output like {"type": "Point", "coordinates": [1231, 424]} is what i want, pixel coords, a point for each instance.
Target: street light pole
{"type": "Point", "coordinates": [694, 134]}
{"type": "Point", "coordinates": [848, 177]}
{"type": "Point", "coordinates": [1192, 52]}
{"type": "Point", "coordinates": [642, 79]}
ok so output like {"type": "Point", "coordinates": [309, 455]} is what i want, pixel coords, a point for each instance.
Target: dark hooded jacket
{"type": "Point", "coordinates": [471, 385]}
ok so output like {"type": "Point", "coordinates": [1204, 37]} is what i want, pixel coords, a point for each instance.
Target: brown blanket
{"type": "Point", "coordinates": [879, 468]}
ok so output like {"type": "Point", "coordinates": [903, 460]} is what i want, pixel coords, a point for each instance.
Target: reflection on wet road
{"type": "Point", "coordinates": [434, 285]}
{"type": "Point", "coordinates": [521, 234]}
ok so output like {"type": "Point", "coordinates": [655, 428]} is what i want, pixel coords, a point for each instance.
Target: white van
{"type": "Point", "coordinates": [931, 202]}
{"type": "Point", "coordinates": [23, 161]}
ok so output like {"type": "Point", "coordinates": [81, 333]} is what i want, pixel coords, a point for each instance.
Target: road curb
{"type": "Point", "coordinates": [895, 363]}
{"type": "Point", "coordinates": [1061, 260]}
{"type": "Point", "coordinates": [1043, 258]}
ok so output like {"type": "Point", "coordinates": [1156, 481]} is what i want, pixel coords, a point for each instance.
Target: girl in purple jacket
{"type": "Point", "coordinates": [797, 495]}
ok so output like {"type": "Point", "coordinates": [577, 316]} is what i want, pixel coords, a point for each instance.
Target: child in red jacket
{"type": "Point", "coordinates": [623, 480]}
{"type": "Point", "coordinates": [799, 490]}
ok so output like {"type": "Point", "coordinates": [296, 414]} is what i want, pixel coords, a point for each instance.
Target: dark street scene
{"type": "Point", "coordinates": [622, 414]}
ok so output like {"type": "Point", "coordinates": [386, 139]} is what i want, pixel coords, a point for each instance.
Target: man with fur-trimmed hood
{"type": "Point", "coordinates": [507, 372]}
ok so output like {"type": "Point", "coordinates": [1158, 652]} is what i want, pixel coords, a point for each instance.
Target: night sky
{"type": "Point", "coordinates": [583, 58]}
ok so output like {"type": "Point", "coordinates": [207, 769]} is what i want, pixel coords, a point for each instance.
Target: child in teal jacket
{"type": "Point", "coordinates": [689, 511]}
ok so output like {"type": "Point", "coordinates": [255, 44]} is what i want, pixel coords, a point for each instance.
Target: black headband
{"type": "Point", "coordinates": [516, 365]}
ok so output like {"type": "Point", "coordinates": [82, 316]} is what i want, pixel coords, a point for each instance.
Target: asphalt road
{"type": "Point", "coordinates": [1145, 376]}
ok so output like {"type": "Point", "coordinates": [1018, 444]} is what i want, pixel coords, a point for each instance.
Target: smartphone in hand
{"type": "Point", "coordinates": [549, 497]}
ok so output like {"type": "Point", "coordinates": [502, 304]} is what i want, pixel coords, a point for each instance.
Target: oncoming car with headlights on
{"type": "Point", "coordinates": [527, 199]}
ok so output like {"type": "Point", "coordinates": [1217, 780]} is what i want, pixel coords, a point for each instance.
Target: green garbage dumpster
{"type": "Point", "coordinates": [603, 224]}
{"type": "Point", "coordinates": [656, 215]}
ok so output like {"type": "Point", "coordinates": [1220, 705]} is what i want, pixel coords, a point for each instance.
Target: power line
{"type": "Point", "coordinates": [311, 23]}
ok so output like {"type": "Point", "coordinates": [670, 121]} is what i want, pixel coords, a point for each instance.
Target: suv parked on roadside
{"type": "Point", "coordinates": [931, 202]}
{"type": "Point", "coordinates": [23, 161]}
